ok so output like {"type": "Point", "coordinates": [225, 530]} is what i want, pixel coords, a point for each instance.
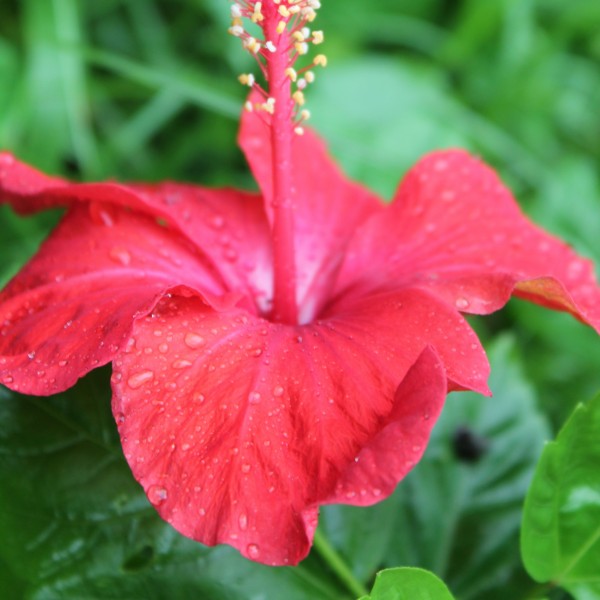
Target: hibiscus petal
{"type": "Point", "coordinates": [72, 307]}
{"type": "Point", "coordinates": [228, 226]}
{"type": "Point", "coordinates": [238, 428]}
{"type": "Point", "coordinates": [328, 207]}
{"type": "Point", "coordinates": [405, 321]}
{"type": "Point", "coordinates": [455, 229]}
{"type": "Point", "coordinates": [400, 444]}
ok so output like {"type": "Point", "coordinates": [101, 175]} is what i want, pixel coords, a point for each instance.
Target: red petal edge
{"type": "Point", "coordinates": [456, 230]}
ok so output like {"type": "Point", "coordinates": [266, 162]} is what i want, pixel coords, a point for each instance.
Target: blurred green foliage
{"type": "Point", "coordinates": [147, 90]}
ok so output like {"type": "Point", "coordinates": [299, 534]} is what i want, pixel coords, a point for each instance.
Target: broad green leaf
{"type": "Point", "coordinates": [560, 538]}
{"type": "Point", "coordinates": [408, 584]}
{"type": "Point", "coordinates": [457, 518]}
{"type": "Point", "coordinates": [74, 523]}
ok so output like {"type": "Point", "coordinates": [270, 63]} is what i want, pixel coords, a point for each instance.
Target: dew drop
{"type": "Point", "coordinates": [139, 379]}
{"type": "Point", "coordinates": [376, 492]}
{"type": "Point", "coordinates": [31, 355]}
{"type": "Point", "coordinates": [120, 256]}
{"type": "Point", "coordinates": [230, 254]}
{"type": "Point", "coordinates": [254, 397]}
{"type": "Point", "coordinates": [253, 551]}
{"type": "Point", "coordinates": [202, 512]}
{"type": "Point", "coordinates": [462, 303]}
{"type": "Point", "coordinates": [246, 468]}
{"type": "Point", "coordinates": [163, 348]}
{"type": "Point", "coordinates": [278, 391]}
{"type": "Point", "coordinates": [157, 494]}
{"type": "Point", "coordinates": [193, 340]}
{"type": "Point", "coordinates": [217, 222]}
{"type": "Point", "coordinates": [8, 379]}
{"type": "Point", "coordinates": [181, 364]}
{"type": "Point", "coordinates": [243, 522]}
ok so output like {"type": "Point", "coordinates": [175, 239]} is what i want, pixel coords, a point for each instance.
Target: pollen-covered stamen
{"type": "Point", "coordinates": [284, 28]}
{"type": "Point", "coordinates": [276, 34]}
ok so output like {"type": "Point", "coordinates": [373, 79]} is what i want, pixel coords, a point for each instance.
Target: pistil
{"type": "Point", "coordinates": [286, 37]}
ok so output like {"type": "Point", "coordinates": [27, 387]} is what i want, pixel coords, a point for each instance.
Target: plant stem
{"type": "Point", "coordinates": [337, 565]}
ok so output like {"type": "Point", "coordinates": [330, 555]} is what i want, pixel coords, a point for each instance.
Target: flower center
{"type": "Point", "coordinates": [278, 34]}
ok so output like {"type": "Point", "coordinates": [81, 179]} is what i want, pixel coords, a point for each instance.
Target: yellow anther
{"type": "Point", "coordinates": [314, 4]}
{"type": "Point", "coordinates": [257, 15]}
{"type": "Point", "coordinates": [269, 106]}
{"type": "Point", "coordinates": [298, 98]}
{"type": "Point", "coordinates": [237, 21]}
{"type": "Point", "coordinates": [294, 10]}
{"type": "Point", "coordinates": [317, 37]}
{"type": "Point", "coordinates": [301, 47]}
{"type": "Point", "coordinates": [299, 130]}
{"type": "Point", "coordinates": [291, 73]}
{"type": "Point", "coordinates": [252, 45]}
{"type": "Point", "coordinates": [236, 11]}
{"type": "Point", "coordinates": [280, 27]}
{"type": "Point", "coordinates": [236, 30]}
{"type": "Point", "coordinates": [270, 46]}
{"type": "Point", "coordinates": [321, 60]}
{"type": "Point", "coordinates": [298, 36]}
{"type": "Point", "coordinates": [276, 1]}
{"type": "Point", "coordinates": [284, 12]}
{"type": "Point", "coordinates": [309, 76]}
{"type": "Point", "coordinates": [309, 14]}
{"type": "Point", "coordinates": [305, 115]}
{"type": "Point", "coordinates": [301, 83]}
{"type": "Point", "coordinates": [246, 79]}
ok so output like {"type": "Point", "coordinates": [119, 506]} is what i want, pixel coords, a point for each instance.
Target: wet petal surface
{"type": "Point", "coordinates": [222, 414]}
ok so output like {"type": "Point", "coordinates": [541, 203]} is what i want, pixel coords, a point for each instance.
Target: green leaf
{"type": "Point", "coordinates": [408, 584]}
{"type": "Point", "coordinates": [560, 538]}
{"type": "Point", "coordinates": [74, 523]}
{"type": "Point", "coordinates": [458, 518]}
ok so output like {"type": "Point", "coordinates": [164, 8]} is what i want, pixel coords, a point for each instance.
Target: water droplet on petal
{"type": "Point", "coordinates": [253, 551]}
{"type": "Point", "coordinates": [462, 303]}
{"type": "Point", "coordinates": [243, 522]}
{"type": "Point", "coordinates": [254, 397]}
{"type": "Point", "coordinates": [217, 222]}
{"type": "Point", "coordinates": [157, 494]}
{"type": "Point", "coordinates": [163, 348]}
{"type": "Point", "coordinates": [193, 340]}
{"type": "Point", "coordinates": [120, 256]}
{"type": "Point", "coordinates": [278, 391]}
{"type": "Point", "coordinates": [181, 364]}
{"type": "Point", "coordinates": [139, 379]}
{"type": "Point", "coordinates": [246, 468]}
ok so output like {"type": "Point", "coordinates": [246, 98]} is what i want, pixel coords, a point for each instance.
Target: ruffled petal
{"type": "Point", "coordinates": [402, 440]}
{"type": "Point", "coordinates": [456, 230]}
{"type": "Point", "coordinates": [238, 428]}
{"type": "Point", "coordinates": [227, 226]}
{"type": "Point", "coordinates": [328, 207]}
{"type": "Point", "coordinates": [72, 307]}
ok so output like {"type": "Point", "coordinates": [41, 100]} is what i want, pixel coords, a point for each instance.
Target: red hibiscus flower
{"type": "Point", "coordinates": [239, 412]}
